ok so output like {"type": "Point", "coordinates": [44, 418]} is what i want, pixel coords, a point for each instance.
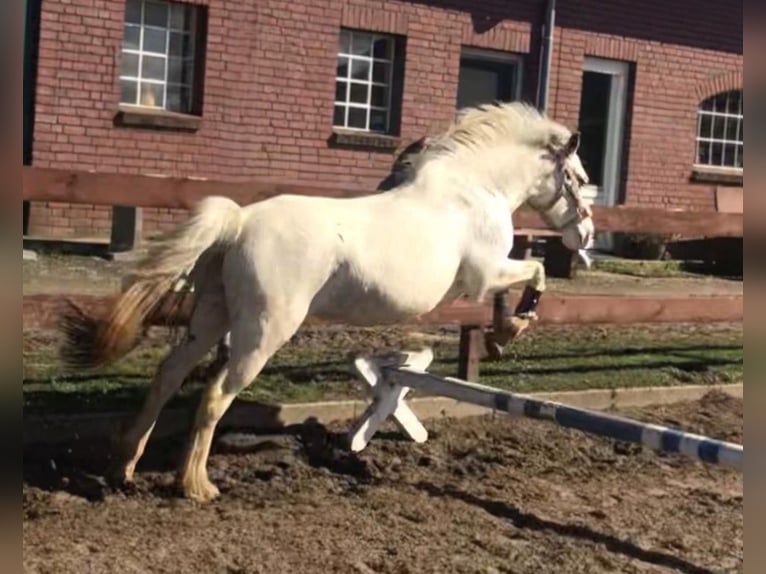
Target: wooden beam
{"type": "Point", "coordinates": [729, 199]}
{"type": "Point", "coordinates": [629, 219]}
{"type": "Point", "coordinates": [66, 186]}
{"type": "Point", "coordinates": [594, 309]}
{"type": "Point", "coordinates": [42, 311]}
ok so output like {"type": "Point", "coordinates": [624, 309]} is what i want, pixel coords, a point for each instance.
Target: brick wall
{"type": "Point", "coordinates": [681, 52]}
{"type": "Point", "coordinates": [269, 86]}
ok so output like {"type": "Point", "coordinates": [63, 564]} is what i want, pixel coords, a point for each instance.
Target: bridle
{"type": "Point", "coordinates": [569, 191]}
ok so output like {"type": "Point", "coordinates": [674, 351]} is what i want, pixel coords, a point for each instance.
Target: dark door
{"type": "Point", "coordinates": [485, 80]}
{"type": "Point", "coordinates": [31, 40]}
{"type": "Point", "coordinates": [594, 123]}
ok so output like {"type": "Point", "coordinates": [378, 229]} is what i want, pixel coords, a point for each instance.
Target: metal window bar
{"type": "Point", "coordinates": [389, 88]}
{"type": "Point", "coordinates": [717, 116]}
{"type": "Point", "coordinates": [141, 52]}
{"type": "Point", "coordinates": [140, 56]}
{"type": "Point", "coordinates": [191, 58]}
{"type": "Point", "coordinates": [739, 139]}
{"type": "Point", "coordinates": [368, 82]}
{"type": "Point", "coordinates": [167, 58]}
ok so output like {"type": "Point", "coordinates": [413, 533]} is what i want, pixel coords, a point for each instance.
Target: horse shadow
{"type": "Point", "coordinates": [79, 466]}
{"type": "Point", "coordinates": [529, 521]}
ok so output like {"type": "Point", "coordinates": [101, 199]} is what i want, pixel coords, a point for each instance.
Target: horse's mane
{"type": "Point", "coordinates": [486, 124]}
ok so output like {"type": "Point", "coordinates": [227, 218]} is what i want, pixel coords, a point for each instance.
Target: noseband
{"type": "Point", "coordinates": [569, 190]}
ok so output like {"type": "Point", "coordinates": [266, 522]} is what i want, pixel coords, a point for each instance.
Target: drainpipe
{"type": "Point", "coordinates": [546, 51]}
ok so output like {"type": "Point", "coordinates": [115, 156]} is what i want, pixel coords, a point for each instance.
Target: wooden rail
{"type": "Point", "coordinates": [42, 311]}
{"type": "Point", "coordinates": [66, 186]}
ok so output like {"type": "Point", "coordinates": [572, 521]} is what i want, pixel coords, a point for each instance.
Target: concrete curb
{"type": "Point", "coordinates": [255, 417]}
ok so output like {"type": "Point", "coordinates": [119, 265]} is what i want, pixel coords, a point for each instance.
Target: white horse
{"type": "Point", "coordinates": [260, 270]}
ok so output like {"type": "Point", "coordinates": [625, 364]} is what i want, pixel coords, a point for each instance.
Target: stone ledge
{"type": "Point", "coordinates": [137, 117]}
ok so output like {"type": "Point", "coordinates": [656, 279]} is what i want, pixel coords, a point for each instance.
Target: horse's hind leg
{"type": "Point", "coordinates": [207, 324]}
{"type": "Point", "coordinates": [253, 342]}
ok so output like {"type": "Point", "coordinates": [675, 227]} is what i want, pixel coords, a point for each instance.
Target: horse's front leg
{"type": "Point", "coordinates": [506, 325]}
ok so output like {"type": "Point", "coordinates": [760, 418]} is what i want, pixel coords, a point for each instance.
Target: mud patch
{"type": "Point", "coordinates": [483, 495]}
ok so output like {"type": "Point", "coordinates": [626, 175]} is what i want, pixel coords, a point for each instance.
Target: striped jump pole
{"type": "Point", "coordinates": [389, 379]}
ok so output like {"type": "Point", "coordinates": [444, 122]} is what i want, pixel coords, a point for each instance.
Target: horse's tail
{"type": "Point", "coordinates": [92, 342]}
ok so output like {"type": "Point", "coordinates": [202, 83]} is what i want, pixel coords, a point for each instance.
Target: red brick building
{"type": "Point", "coordinates": [311, 91]}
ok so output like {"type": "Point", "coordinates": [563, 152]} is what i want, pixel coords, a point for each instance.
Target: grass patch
{"type": "Point", "coordinates": [606, 358]}
{"type": "Point", "coordinates": [316, 365]}
{"type": "Point", "coordinates": [638, 268]}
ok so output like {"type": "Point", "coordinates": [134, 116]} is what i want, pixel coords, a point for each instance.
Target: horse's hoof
{"type": "Point", "coordinates": [516, 326]}
{"type": "Point", "coordinates": [496, 341]}
{"type": "Point", "coordinates": [90, 486]}
{"type": "Point", "coordinates": [200, 490]}
{"type": "Point", "coordinates": [119, 476]}
{"type": "Point", "coordinates": [126, 487]}
{"type": "Point", "coordinates": [121, 484]}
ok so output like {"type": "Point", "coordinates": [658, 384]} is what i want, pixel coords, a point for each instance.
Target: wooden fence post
{"type": "Point", "coordinates": [471, 352]}
{"type": "Point", "coordinates": [127, 227]}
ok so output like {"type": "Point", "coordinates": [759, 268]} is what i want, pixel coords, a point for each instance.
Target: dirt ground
{"type": "Point", "coordinates": [483, 495]}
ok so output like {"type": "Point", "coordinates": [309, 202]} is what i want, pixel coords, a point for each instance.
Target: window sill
{"type": "Point", "coordinates": [712, 174]}
{"type": "Point", "coordinates": [364, 140]}
{"type": "Point", "coordinates": [138, 117]}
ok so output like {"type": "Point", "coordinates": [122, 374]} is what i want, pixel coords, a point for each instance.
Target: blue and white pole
{"type": "Point", "coordinates": [393, 379]}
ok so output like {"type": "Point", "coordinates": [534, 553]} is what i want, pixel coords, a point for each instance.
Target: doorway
{"type": "Point", "coordinates": [603, 103]}
{"type": "Point", "coordinates": [32, 10]}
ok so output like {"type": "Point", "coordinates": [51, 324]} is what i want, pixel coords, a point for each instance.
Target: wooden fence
{"type": "Point", "coordinates": [42, 184]}
{"type": "Point", "coordinates": [64, 186]}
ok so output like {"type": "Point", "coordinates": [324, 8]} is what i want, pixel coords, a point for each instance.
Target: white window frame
{"type": "Point", "coordinates": [615, 136]}
{"type": "Point", "coordinates": [140, 53]}
{"type": "Point", "coordinates": [371, 59]}
{"type": "Point", "coordinates": [726, 116]}
{"type": "Point", "coordinates": [607, 192]}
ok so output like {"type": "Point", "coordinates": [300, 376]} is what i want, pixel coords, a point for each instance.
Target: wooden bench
{"type": "Point", "coordinates": [559, 261]}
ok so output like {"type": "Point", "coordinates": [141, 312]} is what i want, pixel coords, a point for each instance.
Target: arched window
{"type": "Point", "coordinates": [719, 131]}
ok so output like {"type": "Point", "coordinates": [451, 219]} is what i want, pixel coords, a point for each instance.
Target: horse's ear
{"type": "Point", "coordinates": [565, 149]}
{"type": "Point", "coordinates": [572, 145]}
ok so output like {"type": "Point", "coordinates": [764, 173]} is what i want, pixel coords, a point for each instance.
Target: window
{"type": "Point", "coordinates": [158, 55]}
{"type": "Point", "coordinates": [487, 76]}
{"type": "Point", "coordinates": [720, 137]}
{"type": "Point", "coordinates": [365, 82]}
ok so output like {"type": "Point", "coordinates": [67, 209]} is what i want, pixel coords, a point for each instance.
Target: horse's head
{"type": "Point", "coordinates": [509, 149]}
{"type": "Point", "coordinates": [557, 194]}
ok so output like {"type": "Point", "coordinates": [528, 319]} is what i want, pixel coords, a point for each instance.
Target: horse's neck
{"type": "Point", "coordinates": [495, 176]}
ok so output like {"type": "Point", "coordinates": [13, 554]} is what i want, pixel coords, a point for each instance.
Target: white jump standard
{"type": "Point", "coordinates": [390, 379]}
